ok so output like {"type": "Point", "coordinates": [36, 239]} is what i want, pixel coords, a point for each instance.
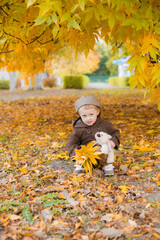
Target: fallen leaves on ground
{"type": "Point", "coordinates": [38, 201]}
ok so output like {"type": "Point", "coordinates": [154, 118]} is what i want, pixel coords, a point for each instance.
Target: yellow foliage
{"type": "Point", "coordinates": [86, 156]}
{"type": "Point", "coordinates": [32, 30]}
{"type": "Point", "coordinates": [64, 63]}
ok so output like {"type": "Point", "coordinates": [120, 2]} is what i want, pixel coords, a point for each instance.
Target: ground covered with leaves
{"type": "Point", "coordinates": [41, 198]}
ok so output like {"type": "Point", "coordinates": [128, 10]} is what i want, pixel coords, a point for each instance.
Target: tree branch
{"type": "Point", "coordinates": [14, 36]}
{"type": "Point", "coordinates": [7, 51]}
{"type": "Point", "coordinates": [9, 15]}
{"type": "Point", "coordinates": [51, 40]}
{"type": "Point", "coordinates": [35, 39]}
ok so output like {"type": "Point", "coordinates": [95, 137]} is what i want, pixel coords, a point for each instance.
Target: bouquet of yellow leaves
{"type": "Point", "coordinates": [87, 156]}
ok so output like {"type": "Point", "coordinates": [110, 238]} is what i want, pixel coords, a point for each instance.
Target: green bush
{"type": "Point", "coordinates": [119, 81]}
{"type": "Point", "coordinates": [49, 82]}
{"type": "Point", "coordinates": [4, 84]}
{"type": "Point", "coordinates": [75, 81]}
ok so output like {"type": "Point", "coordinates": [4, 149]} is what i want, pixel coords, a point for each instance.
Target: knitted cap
{"type": "Point", "coordinates": [86, 100]}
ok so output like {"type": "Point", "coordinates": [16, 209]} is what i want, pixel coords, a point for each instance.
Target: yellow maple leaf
{"type": "Point", "coordinates": [15, 155]}
{"type": "Point", "coordinates": [158, 175]}
{"type": "Point", "coordinates": [59, 221]}
{"type": "Point", "coordinates": [61, 196]}
{"type": "Point", "coordinates": [62, 156]}
{"type": "Point", "coordinates": [156, 235]}
{"type": "Point", "coordinates": [123, 188]}
{"type": "Point", "coordinates": [119, 198]}
{"type": "Point", "coordinates": [47, 176]}
{"type": "Point", "coordinates": [74, 179]}
{"type": "Point", "coordinates": [56, 145]}
{"type": "Point", "coordinates": [62, 134]}
{"type": "Point", "coordinates": [87, 156]}
{"type": "Point", "coordinates": [23, 170]}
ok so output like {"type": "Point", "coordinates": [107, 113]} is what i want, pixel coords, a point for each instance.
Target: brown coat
{"type": "Point", "coordinates": [83, 134]}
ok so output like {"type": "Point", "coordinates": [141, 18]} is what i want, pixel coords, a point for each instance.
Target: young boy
{"type": "Point", "coordinates": [85, 127]}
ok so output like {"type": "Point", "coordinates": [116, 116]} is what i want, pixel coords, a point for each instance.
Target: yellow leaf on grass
{"type": "Point", "coordinates": [131, 226]}
{"type": "Point", "coordinates": [143, 148]}
{"type": "Point", "coordinates": [123, 188]}
{"type": "Point", "coordinates": [114, 216]}
{"type": "Point", "coordinates": [158, 176]}
{"type": "Point", "coordinates": [62, 134]}
{"type": "Point", "coordinates": [150, 131]}
{"type": "Point", "coordinates": [23, 170]}
{"type": "Point", "coordinates": [61, 196]}
{"type": "Point", "coordinates": [62, 156]}
{"type": "Point", "coordinates": [135, 168]}
{"type": "Point", "coordinates": [81, 198]}
{"type": "Point", "coordinates": [156, 235]}
{"type": "Point", "coordinates": [64, 223]}
{"type": "Point", "coordinates": [59, 222]}
{"type": "Point", "coordinates": [56, 145]}
{"type": "Point", "coordinates": [13, 217]}
{"type": "Point", "coordinates": [119, 198]}
{"type": "Point", "coordinates": [72, 194]}
{"type": "Point", "coordinates": [102, 193]}
{"type": "Point", "coordinates": [77, 225]}
{"type": "Point", "coordinates": [138, 235]}
{"type": "Point", "coordinates": [55, 223]}
{"type": "Point", "coordinates": [48, 176]}
{"type": "Point", "coordinates": [148, 205]}
{"type": "Point", "coordinates": [14, 155]}
{"type": "Point", "coordinates": [5, 219]}
{"type": "Point", "coordinates": [75, 178]}
{"type": "Point", "coordinates": [47, 136]}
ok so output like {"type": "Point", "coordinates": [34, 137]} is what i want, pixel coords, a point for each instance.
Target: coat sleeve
{"type": "Point", "coordinates": [73, 143]}
{"type": "Point", "coordinates": [115, 133]}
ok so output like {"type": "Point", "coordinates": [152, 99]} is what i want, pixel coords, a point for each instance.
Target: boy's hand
{"type": "Point", "coordinates": [112, 144]}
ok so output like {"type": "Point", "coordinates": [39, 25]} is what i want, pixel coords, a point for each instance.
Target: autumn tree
{"type": "Point", "coordinates": [65, 63]}
{"type": "Point", "coordinates": [31, 30]}
{"type": "Point", "coordinates": [113, 69]}
{"type": "Point", "coordinates": [102, 69]}
{"type": "Point", "coordinates": [105, 66]}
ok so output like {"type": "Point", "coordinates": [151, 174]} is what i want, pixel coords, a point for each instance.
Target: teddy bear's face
{"type": "Point", "coordinates": [102, 137]}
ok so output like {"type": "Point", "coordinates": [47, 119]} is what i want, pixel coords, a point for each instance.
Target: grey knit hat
{"type": "Point", "coordinates": [86, 100]}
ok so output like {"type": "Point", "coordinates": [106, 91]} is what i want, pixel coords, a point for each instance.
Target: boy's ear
{"type": "Point", "coordinates": [98, 112]}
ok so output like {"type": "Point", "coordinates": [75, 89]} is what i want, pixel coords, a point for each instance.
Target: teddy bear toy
{"type": "Point", "coordinates": [102, 139]}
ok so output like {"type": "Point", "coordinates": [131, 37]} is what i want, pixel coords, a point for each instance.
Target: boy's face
{"type": "Point", "coordinates": [89, 115]}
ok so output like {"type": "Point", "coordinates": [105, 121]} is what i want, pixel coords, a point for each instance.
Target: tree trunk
{"type": "Point", "coordinates": [12, 81]}
{"type": "Point", "coordinates": [39, 80]}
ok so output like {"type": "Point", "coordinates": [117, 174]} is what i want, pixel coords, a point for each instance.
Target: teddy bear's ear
{"type": "Point", "coordinates": [109, 136]}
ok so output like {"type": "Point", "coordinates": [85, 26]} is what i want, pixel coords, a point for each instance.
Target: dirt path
{"type": "Point", "coordinates": [20, 94]}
